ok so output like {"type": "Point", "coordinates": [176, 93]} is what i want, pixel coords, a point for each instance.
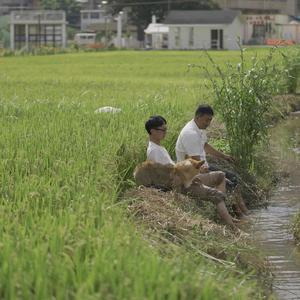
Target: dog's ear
{"type": "Point", "coordinates": [187, 156]}
{"type": "Point", "coordinates": [200, 163]}
{"type": "Point", "coordinates": [196, 163]}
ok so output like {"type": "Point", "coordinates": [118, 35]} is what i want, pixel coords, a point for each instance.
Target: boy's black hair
{"type": "Point", "coordinates": [204, 109]}
{"type": "Point", "coordinates": [154, 122]}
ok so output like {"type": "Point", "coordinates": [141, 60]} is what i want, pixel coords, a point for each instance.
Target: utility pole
{"type": "Point", "coordinates": [169, 5]}
{"type": "Point", "coordinates": [39, 30]}
{"type": "Point", "coordinates": [119, 29]}
{"type": "Point", "coordinates": [106, 41]}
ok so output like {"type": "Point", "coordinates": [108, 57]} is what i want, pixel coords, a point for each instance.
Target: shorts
{"type": "Point", "coordinates": [204, 187]}
{"type": "Point", "coordinates": [232, 177]}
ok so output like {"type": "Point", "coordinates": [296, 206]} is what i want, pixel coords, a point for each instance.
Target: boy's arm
{"type": "Point", "coordinates": [214, 152]}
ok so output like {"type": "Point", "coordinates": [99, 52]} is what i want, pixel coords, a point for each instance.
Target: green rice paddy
{"type": "Point", "coordinates": [63, 232]}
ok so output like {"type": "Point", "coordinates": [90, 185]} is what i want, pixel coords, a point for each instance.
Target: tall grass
{"type": "Point", "coordinates": [63, 232]}
{"type": "Point", "coordinates": [291, 63]}
{"type": "Point", "coordinates": [243, 98]}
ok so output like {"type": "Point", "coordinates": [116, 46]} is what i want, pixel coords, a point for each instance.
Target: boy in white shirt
{"type": "Point", "coordinates": [192, 142]}
{"type": "Point", "coordinates": [205, 186]}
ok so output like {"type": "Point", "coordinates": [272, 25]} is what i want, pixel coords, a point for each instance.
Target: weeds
{"type": "Point", "coordinates": [291, 64]}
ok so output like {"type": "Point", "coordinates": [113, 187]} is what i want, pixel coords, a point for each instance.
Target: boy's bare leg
{"type": "Point", "coordinates": [240, 201]}
{"type": "Point", "coordinates": [202, 192]}
{"type": "Point", "coordinates": [243, 206]}
{"type": "Point", "coordinates": [224, 214]}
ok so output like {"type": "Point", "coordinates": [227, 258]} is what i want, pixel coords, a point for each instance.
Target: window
{"type": "Point", "coordinates": [95, 15]}
{"type": "Point", "coordinates": [268, 27]}
{"type": "Point", "coordinates": [57, 29]}
{"type": "Point", "coordinates": [259, 30]}
{"type": "Point", "coordinates": [49, 29]}
{"type": "Point", "coordinates": [216, 39]}
{"type": "Point", "coordinates": [85, 16]}
{"type": "Point", "coordinates": [48, 35]}
{"type": "Point", "coordinates": [32, 29]}
{"type": "Point", "coordinates": [20, 36]}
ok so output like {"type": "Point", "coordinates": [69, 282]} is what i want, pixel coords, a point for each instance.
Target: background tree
{"type": "Point", "coordinates": [71, 7]}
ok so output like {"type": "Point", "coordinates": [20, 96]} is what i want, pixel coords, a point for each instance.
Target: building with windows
{"type": "Point", "coordinates": [259, 28]}
{"type": "Point", "coordinates": [92, 17]}
{"type": "Point", "coordinates": [8, 5]}
{"type": "Point", "coordinates": [32, 29]}
{"type": "Point", "coordinates": [200, 29]}
{"type": "Point", "coordinates": [284, 7]}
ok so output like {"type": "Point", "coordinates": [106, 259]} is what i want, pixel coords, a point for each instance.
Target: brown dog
{"type": "Point", "coordinates": [152, 174]}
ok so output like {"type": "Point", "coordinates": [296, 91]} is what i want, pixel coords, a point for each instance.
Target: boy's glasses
{"type": "Point", "coordinates": [162, 129]}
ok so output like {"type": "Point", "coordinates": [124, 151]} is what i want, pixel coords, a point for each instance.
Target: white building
{"type": "Point", "coordinates": [31, 29]}
{"type": "Point", "coordinates": [156, 35]}
{"type": "Point", "coordinates": [200, 29]}
{"type": "Point", "coordinates": [289, 32]}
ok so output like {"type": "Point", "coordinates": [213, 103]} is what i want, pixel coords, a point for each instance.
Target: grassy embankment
{"type": "Point", "coordinates": [63, 232]}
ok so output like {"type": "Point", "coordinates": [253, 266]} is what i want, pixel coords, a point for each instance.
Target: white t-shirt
{"type": "Point", "coordinates": [191, 141]}
{"type": "Point", "coordinates": [158, 154]}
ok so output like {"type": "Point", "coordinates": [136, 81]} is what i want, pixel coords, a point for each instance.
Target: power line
{"type": "Point", "coordinates": [155, 2]}
{"type": "Point", "coordinates": [168, 2]}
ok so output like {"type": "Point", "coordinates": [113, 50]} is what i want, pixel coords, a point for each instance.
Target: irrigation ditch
{"type": "Point", "coordinates": [271, 228]}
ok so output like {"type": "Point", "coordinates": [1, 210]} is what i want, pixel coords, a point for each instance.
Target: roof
{"type": "Point", "coordinates": [156, 28]}
{"type": "Point", "coordinates": [201, 16]}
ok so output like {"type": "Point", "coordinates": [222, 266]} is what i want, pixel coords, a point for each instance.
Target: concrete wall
{"type": "Point", "coordinates": [232, 33]}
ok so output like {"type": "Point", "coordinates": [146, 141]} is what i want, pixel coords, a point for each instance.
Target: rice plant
{"type": "Point", "coordinates": [64, 234]}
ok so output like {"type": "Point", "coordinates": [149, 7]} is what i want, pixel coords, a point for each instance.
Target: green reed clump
{"type": "Point", "coordinates": [243, 95]}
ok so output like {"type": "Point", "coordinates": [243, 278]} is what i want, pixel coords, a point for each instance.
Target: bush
{"type": "Point", "coordinates": [243, 98]}
{"type": "Point", "coordinates": [96, 46]}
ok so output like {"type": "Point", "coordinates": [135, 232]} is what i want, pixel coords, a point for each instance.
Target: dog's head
{"type": "Point", "coordinates": [185, 171]}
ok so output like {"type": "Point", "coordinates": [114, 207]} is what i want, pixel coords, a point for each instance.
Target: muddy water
{"type": "Point", "coordinates": [272, 225]}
